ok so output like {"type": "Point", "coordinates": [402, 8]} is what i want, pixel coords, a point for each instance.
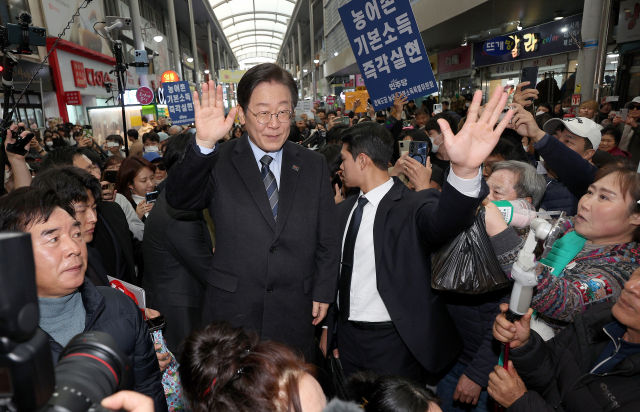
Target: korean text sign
{"type": "Point", "coordinates": [387, 44]}
{"type": "Point", "coordinates": [179, 101]}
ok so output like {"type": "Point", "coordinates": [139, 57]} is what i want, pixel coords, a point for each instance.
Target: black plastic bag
{"type": "Point", "coordinates": [468, 263]}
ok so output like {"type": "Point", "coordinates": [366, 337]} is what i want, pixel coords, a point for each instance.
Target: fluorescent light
{"type": "Point", "coordinates": [190, 59]}
{"type": "Point", "coordinates": [295, 79]}
{"type": "Point", "coordinates": [612, 55]}
{"type": "Point", "coordinates": [558, 18]}
{"type": "Point", "coordinates": [519, 27]}
{"type": "Point", "coordinates": [305, 70]}
{"type": "Point", "coordinates": [335, 53]}
{"type": "Point", "coordinates": [316, 61]}
{"type": "Point", "coordinates": [206, 71]}
{"type": "Point", "coordinates": [464, 42]}
{"type": "Point", "coordinates": [557, 15]}
{"type": "Point", "coordinates": [158, 38]}
{"type": "Point", "coordinates": [563, 29]}
{"type": "Point", "coordinates": [615, 62]}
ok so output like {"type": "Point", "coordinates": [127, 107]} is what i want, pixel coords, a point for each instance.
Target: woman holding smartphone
{"type": "Point", "coordinates": [136, 178]}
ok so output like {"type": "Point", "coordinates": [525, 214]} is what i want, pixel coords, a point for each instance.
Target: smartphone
{"type": "Point", "coordinates": [156, 323]}
{"type": "Point", "coordinates": [336, 181]}
{"type": "Point", "coordinates": [623, 114]}
{"type": "Point", "coordinates": [437, 108]}
{"type": "Point", "coordinates": [110, 176]}
{"type": "Point", "coordinates": [403, 145]}
{"type": "Point", "coordinates": [317, 120]}
{"type": "Point", "coordinates": [418, 151]}
{"type": "Point", "coordinates": [87, 127]}
{"type": "Point", "coordinates": [151, 197]}
{"type": "Point", "coordinates": [345, 120]}
{"type": "Point", "coordinates": [21, 142]}
{"type": "Point", "coordinates": [529, 74]}
{"type": "Point", "coordinates": [406, 123]}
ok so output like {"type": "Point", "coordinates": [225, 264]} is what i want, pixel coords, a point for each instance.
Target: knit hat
{"type": "Point", "coordinates": [580, 126]}
{"type": "Point", "coordinates": [163, 136]}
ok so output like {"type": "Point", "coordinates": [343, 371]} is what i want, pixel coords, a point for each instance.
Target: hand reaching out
{"type": "Point", "coordinates": [211, 124]}
{"type": "Point", "coordinates": [522, 97]}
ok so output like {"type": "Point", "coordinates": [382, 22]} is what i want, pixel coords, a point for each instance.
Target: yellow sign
{"type": "Point", "coordinates": [136, 121]}
{"type": "Point", "coordinates": [578, 87]}
{"type": "Point", "coordinates": [230, 76]}
{"type": "Point", "coordinates": [351, 97]}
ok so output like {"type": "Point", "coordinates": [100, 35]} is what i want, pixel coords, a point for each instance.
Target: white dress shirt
{"type": "Point", "coordinates": [366, 305]}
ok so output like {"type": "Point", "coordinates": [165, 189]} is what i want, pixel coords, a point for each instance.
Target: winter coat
{"type": "Point", "coordinates": [557, 373]}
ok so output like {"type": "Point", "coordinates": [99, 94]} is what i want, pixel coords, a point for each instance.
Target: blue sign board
{"type": "Point", "coordinates": [550, 38]}
{"type": "Point", "coordinates": [178, 98]}
{"type": "Point", "coordinates": [387, 44]}
{"type": "Point", "coordinates": [499, 46]}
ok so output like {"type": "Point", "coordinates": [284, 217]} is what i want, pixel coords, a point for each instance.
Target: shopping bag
{"type": "Point", "coordinates": [171, 377]}
{"type": "Point", "coordinates": [468, 264]}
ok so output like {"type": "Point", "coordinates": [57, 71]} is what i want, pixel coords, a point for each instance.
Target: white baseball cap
{"type": "Point", "coordinates": [580, 126]}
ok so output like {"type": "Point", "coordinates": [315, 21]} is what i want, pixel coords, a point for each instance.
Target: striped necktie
{"type": "Point", "coordinates": [270, 184]}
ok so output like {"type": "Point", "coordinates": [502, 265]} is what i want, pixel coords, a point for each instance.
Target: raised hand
{"type": "Point", "coordinates": [474, 143]}
{"type": "Point", "coordinates": [211, 125]}
{"type": "Point", "coordinates": [517, 333]}
{"type": "Point", "coordinates": [522, 97]}
{"type": "Point", "coordinates": [525, 124]}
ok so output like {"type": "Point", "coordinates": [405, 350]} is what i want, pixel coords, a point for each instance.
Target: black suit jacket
{"type": "Point", "coordinates": [177, 259]}
{"type": "Point", "coordinates": [95, 269]}
{"type": "Point", "coordinates": [110, 213]}
{"type": "Point", "coordinates": [408, 227]}
{"type": "Point", "coordinates": [264, 274]}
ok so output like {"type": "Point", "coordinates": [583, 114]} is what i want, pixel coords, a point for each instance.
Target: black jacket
{"type": "Point", "coordinates": [111, 311]}
{"type": "Point", "coordinates": [95, 269]}
{"type": "Point", "coordinates": [111, 219]}
{"type": "Point", "coordinates": [177, 252]}
{"type": "Point", "coordinates": [558, 198]}
{"type": "Point", "coordinates": [557, 373]}
{"type": "Point", "coordinates": [408, 227]}
{"type": "Point", "coordinates": [264, 274]}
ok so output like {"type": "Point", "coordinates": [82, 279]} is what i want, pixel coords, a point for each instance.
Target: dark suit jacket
{"type": "Point", "coordinates": [110, 213]}
{"type": "Point", "coordinates": [95, 269]}
{"type": "Point", "coordinates": [177, 259]}
{"type": "Point", "coordinates": [408, 227]}
{"type": "Point", "coordinates": [264, 274]}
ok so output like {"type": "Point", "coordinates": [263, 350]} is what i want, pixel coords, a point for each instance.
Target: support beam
{"type": "Point", "coordinates": [174, 39]}
{"type": "Point", "coordinates": [212, 67]}
{"type": "Point", "coordinates": [136, 26]}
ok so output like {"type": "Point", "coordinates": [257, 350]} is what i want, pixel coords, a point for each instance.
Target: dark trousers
{"type": "Point", "coordinates": [380, 351]}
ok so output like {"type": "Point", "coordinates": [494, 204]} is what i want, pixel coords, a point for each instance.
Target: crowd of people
{"type": "Point", "coordinates": [290, 256]}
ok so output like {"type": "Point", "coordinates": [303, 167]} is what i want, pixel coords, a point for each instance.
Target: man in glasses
{"type": "Point", "coordinates": [277, 253]}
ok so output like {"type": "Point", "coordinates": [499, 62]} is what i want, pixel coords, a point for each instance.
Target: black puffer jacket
{"type": "Point", "coordinates": [111, 311]}
{"type": "Point", "coordinates": [473, 316]}
{"type": "Point", "coordinates": [557, 372]}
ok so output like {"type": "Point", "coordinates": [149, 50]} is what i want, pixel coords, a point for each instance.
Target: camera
{"type": "Point", "coordinates": [419, 151]}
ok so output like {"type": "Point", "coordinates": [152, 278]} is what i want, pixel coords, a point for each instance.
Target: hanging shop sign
{"type": "Point", "coordinates": [144, 95]}
{"type": "Point", "coordinates": [230, 76]}
{"type": "Point", "coordinates": [73, 98]}
{"type": "Point", "coordinates": [169, 76]}
{"type": "Point", "coordinates": [454, 63]}
{"type": "Point", "coordinates": [544, 40]}
{"type": "Point", "coordinates": [389, 49]}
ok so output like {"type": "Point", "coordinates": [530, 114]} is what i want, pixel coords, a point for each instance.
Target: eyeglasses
{"type": "Point", "coordinates": [283, 116]}
{"type": "Point", "coordinates": [634, 107]}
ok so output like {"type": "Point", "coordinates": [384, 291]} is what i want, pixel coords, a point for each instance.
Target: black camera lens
{"type": "Point", "coordinates": [91, 368]}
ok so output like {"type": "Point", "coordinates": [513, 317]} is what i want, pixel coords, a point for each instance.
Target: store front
{"type": "Point", "coordinates": [31, 109]}
{"type": "Point", "coordinates": [454, 73]}
{"type": "Point", "coordinates": [549, 46]}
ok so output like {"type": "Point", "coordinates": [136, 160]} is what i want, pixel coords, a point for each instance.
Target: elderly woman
{"type": "Point", "coordinates": [611, 137]}
{"type": "Point", "coordinates": [596, 256]}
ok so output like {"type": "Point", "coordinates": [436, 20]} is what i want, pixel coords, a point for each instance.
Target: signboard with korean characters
{"type": "Point", "coordinates": [499, 45]}
{"type": "Point", "coordinates": [178, 98]}
{"type": "Point", "coordinates": [389, 50]}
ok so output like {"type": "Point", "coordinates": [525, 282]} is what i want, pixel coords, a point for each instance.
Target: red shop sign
{"type": "Point", "coordinates": [79, 76]}
{"type": "Point", "coordinates": [73, 98]}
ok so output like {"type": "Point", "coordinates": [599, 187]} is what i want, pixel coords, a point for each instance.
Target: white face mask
{"type": "Point", "coordinates": [434, 147]}
{"type": "Point", "coordinates": [149, 149]}
{"type": "Point", "coordinates": [49, 143]}
{"type": "Point", "coordinates": [467, 104]}
{"type": "Point", "coordinates": [526, 148]}
{"type": "Point", "coordinates": [566, 109]}
{"type": "Point", "coordinates": [539, 113]}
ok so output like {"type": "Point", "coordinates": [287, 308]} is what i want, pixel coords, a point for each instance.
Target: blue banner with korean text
{"type": "Point", "coordinates": [387, 44]}
{"type": "Point", "coordinates": [179, 101]}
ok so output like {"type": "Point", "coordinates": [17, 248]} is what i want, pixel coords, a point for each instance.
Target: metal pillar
{"type": "Point", "coordinates": [595, 24]}
{"type": "Point", "coordinates": [174, 39]}
{"type": "Point", "coordinates": [194, 46]}
{"type": "Point", "coordinates": [218, 47]}
{"type": "Point", "coordinates": [300, 50]}
{"type": "Point", "coordinates": [212, 67]}
{"type": "Point", "coordinates": [293, 59]}
{"type": "Point", "coordinates": [601, 59]}
{"type": "Point", "coordinates": [136, 24]}
{"type": "Point", "coordinates": [312, 40]}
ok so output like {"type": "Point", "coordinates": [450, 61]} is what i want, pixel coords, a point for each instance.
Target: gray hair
{"type": "Point", "coordinates": [529, 184]}
{"type": "Point", "coordinates": [176, 130]}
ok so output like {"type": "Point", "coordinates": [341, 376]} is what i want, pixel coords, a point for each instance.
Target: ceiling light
{"type": "Point", "coordinates": [305, 70]}
{"type": "Point", "coordinates": [316, 61]}
{"type": "Point", "coordinates": [576, 64]}
{"type": "Point", "coordinates": [615, 62]}
{"type": "Point", "coordinates": [613, 55]}
{"type": "Point", "coordinates": [190, 59]}
{"type": "Point", "coordinates": [558, 15]}
{"type": "Point", "coordinates": [563, 29]}
{"type": "Point", "coordinates": [335, 53]}
{"type": "Point", "coordinates": [464, 42]}
{"type": "Point", "coordinates": [519, 27]}
{"type": "Point", "coordinates": [157, 38]}
{"type": "Point", "coordinates": [206, 71]}
{"type": "Point", "coordinates": [295, 79]}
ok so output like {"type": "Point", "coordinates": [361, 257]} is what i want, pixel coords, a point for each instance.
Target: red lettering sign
{"type": "Point", "coordinates": [98, 79]}
{"type": "Point", "coordinates": [106, 78]}
{"type": "Point", "coordinates": [78, 74]}
{"type": "Point", "coordinates": [89, 75]}
{"type": "Point", "coordinates": [169, 77]}
{"type": "Point", "coordinates": [73, 98]}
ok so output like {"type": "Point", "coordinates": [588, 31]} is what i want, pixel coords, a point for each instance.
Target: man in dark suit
{"type": "Point", "coordinates": [388, 319]}
{"type": "Point", "coordinates": [177, 251]}
{"type": "Point", "coordinates": [277, 243]}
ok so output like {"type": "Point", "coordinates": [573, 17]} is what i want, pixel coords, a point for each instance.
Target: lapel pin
{"type": "Point", "coordinates": [296, 168]}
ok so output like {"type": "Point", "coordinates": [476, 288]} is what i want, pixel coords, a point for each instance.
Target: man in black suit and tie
{"type": "Point", "coordinates": [388, 319]}
{"type": "Point", "coordinates": [277, 253]}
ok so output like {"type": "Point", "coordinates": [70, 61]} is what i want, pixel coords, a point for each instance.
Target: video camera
{"type": "Point", "coordinates": [91, 366]}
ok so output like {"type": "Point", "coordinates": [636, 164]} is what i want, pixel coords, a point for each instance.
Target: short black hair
{"type": "Point", "coordinates": [445, 102]}
{"type": "Point", "coordinates": [174, 148]}
{"type": "Point", "coordinates": [613, 131]}
{"type": "Point", "coordinates": [144, 119]}
{"type": "Point", "coordinates": [321, 111]}
{"type": "Point", "coordinates": [332, 112]}
{"type": "Point", "coordinates": [505, 149]}
{"type": "Point", "coordinates": [27, 206]}
{"type": "Point", "coordinates": [153, 136]}
{"type": "Point", "coordinates": [381, 113]}
{"type": "Point", "coordinates": [77, 133]}
{"type": "Point", "coordinates": [92, 155]}
{"type": "Point", "coordinates": [432, 123]}
{"type": "Point", "coordinates": [265, 73]}
{"type": "Point", "coordinates": [69, 183]}
{"type": "Point", "coordinates": [334, 135]}
{"type": "Point", "coordinates": [133, 133]}
{"type": "Point", "coordinates": [115, 138]}
{"type": "Point", "coordinates": [371, 139]}
{"type": "Point", "coordinates": [62, 156]}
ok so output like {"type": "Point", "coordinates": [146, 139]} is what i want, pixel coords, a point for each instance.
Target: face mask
{"type": "Point", "coordinates": [566, 109]}
{"type": "Point", "coordinates": [467, 104]}
{"type": "Point", "coordinates": [49, 143]}
{"type": "Point", "coordinates": [526, 148]}
{"type": "Point", "coordinates": [7, 175]}
{"type": "Point", "coordinates": [158, 181]}
{"type": "Point", "coordinates": [113, 144]}
{"type": "Point", "coordinates": [539, 113]}
{"type": "Point", "coordinates": [149, 149]}
{"type": "Point", "coordinates": [434, 147]}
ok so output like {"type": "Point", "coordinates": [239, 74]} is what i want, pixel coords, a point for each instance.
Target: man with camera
{"type": "Point", "coordinates": [69, 303]}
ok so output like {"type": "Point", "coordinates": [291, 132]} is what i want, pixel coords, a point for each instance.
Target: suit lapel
{"type": "Point", "coordinates": [245, 163]}
{"type": "Point", "coordinates": [387, 202]}
{"type": "Point", "coordinates": [289, 173]}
